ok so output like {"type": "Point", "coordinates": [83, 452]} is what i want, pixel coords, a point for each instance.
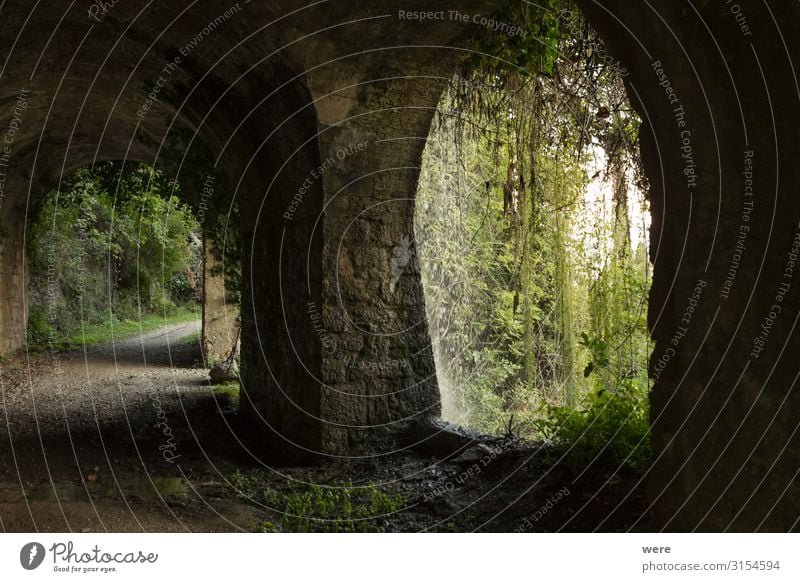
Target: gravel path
{"type": "Point", "coordinates": [114, 438]}
{"type": "Point", "coordinates": [89, 388]}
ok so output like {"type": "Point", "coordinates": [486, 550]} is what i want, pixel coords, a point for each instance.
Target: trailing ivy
{"type": "Point", "coordinates": [536, 291]}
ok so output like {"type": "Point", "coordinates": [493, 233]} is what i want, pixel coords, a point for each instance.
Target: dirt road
{"type": "Point", "coordinates": [113, 438]}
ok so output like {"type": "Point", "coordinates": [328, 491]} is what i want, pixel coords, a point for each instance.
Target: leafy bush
{"type": "Point", "coordinates": [610, 425]}
{"type": "Point", "coordinates": [39, 331]}
{"type": "Point", "coordinates": [114, 243]}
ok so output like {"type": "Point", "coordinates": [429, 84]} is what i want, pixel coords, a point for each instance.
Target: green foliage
{"type": "Point", "coordinates": [340, 507]}
{"type": "Point", "coordinates": [267, 527]}
{"type": "Point", "coordinates": [534, 49]}
{"type": "Point", "coordinates": [598, 352]}
{"type": "Point", "coordinates": [228, 393]}
{"type": "Point", "coordinates": [221, 226]}
{"type": "Point", "coordinates": [113, 244]}
{"type": "Point", "coordinates": [609, 425]}
{"type": "Point", "coordinates": [192, 339]}
{"type": "Point", "coordinates": [528, 228]}
{"type": "Point", "coordinates": [39, 331]}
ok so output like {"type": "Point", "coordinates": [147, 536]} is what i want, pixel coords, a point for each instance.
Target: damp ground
{"type": "Point", "coordinates": [130, 436]}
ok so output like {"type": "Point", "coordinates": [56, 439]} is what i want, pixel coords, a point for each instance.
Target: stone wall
{"type": "Point", "coordinates": [719, 98]}
{"type": "Point", "coordinates": [220, 312]}
{"type": "Point", "coordinates": [13, 287]}
{"type": "Point", "coordinates": [378, 369]}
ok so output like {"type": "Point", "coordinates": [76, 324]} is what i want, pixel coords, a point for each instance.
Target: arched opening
{"type": "Point", "coordinates": [532, 225]}
{"type": "Point", "coordinates": [110, 400]}
{"type": "Point", "coordinates": [113, 246]}
{"type": "Point", "coordinates": [233, 136]}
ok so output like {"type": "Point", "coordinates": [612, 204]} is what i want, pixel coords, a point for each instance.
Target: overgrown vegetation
{"type": "Point", "coordinates": [531, 226]}
{"type": "Point", "coordinates": [41, 335]}
{"type": "Point", "coordinates": [112, 250]}
{"type": "Point", "coordinates": [338, 507]}
{"type": "Point", "coordinates": [227, 394]}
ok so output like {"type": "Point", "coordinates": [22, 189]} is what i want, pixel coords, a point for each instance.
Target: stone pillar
{"type": "Point", "coordinates": [281, 275]}
{"type": "Point", "coordinates": [378, 366]}
{"type": "Point", "coordinates": [220, 314]}
{"type": "Point", "coordinates": [721, 107]}
{"type": "Point", "coordinates": [13, 284]}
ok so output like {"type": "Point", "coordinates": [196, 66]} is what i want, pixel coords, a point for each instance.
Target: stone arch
{"type": "Point", "coordinates": [184, 111]}
{"type": "Point", "coordinates": [725, 406]}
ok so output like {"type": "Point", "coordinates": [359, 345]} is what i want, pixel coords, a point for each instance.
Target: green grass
{"type": "Point", "coordinates": [113, 329]}
{"type": "Point", "coordinates": [338, 507]}
{"type": "Point", "coordinates": [228, 393]}
{"type": "Point", "coordinates": [192, 339]}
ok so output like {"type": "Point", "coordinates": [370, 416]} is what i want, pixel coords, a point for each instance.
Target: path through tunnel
{"type": "Point", "coordinates": [234, 146]}
{"type": "Point", "coordinates": [127, 309]}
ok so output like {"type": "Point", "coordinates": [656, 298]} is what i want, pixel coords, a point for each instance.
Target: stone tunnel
{"type": "Point", "coordinates": [314, 117]}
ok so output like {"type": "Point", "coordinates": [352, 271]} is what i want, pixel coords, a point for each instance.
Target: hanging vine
{"type": "Point", "coordinates": [535, 292]}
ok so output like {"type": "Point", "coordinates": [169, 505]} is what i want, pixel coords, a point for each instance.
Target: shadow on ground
{"type": "Point", "coordinates": [132, 437]}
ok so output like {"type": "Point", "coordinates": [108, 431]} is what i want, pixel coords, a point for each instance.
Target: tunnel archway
{"type": "Point", "coordinates": [248, 129]}
{"type": "Point", "coordinates": [715, 457]}
{"type": "Point", "coordinates": [724, 403]}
